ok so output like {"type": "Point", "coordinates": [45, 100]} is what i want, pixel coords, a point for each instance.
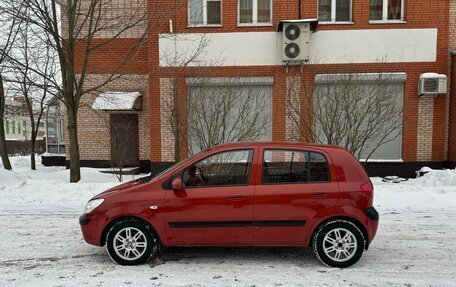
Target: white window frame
{"type": "Point", "coordinates": [254, 14]}
{"type": "Point", "coordinates": [385, 14]}
{"type": "Point", "coordinates": [333, 14]}
{"type": "Point", "coordinates": [205, 15]}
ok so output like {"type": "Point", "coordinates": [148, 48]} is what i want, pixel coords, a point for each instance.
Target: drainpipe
{"type": "Point", "coordinates": [452, 116]}
{"type": "Point", "coordinates": [299, 9]}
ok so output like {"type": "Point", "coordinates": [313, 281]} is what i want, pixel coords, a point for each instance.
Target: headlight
{"type": "Point", "coordinates": [92, 205]}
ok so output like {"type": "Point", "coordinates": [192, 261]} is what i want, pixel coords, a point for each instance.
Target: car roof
{"type": "Point", "coordinates": [276, 144]}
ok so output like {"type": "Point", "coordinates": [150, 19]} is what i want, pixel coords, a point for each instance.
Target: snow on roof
{"type": "Point", "coordinates": [12, 102]}
{"type": "Point", "coordinates": [313, 23]}
{"type": "Point", "coordinates": [432, 75]}
{"type": "Point", "coordinates": [116, 101]}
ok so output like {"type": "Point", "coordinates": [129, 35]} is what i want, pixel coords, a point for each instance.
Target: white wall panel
{"type": "Point", "coordinates": [327, 47]}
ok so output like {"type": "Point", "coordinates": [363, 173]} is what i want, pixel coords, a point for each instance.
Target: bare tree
{"type": "Point", "coordinates": [360, 112]}
{"type": "Point", "coordinates": [9, 23]}
{"type": "Point", "coordinates": [233, 110]}
{"type": "Point", "coordinates": [237, 110]}
{"type": "Point", "coordinates": [78, 29]}
{"type": "Point", "coordinates": [30, 54]}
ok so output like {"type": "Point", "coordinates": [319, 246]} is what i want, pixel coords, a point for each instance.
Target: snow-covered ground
{"type": "Point", "coordinates": [41, 244]}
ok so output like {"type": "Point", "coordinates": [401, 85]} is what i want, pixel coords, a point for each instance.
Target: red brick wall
{"type": "Point", "coordinates": [120, 56]}
{"type": "Point", "coordinates": [418, 14]}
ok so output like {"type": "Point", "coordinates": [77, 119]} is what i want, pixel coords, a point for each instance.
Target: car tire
{"type": "Point", "coordinates": [131, 242]}
{"type": "Point", "coordinates": [338, 243]}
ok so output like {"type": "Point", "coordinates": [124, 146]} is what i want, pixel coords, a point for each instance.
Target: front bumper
{"type": "Point", "coordinates": [92, 226]}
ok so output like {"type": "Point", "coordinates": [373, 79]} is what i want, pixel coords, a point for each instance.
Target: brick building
{"type": "Point", "coordinates": [402, 39]}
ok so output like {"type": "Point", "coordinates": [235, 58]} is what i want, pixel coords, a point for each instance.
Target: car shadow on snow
{"type": "Point", "coordinates": [187, 255]}
{"type": "Point", "coordinates": [225, 255]}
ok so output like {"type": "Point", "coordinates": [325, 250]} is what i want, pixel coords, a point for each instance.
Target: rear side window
{"type": "Point", "coordinates": [294, 166]}
{"type": "Point", "coordinates": [318, 168]}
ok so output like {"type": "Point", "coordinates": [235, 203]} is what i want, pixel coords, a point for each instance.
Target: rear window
{"type": "Point", "coordinates": [294, 166]}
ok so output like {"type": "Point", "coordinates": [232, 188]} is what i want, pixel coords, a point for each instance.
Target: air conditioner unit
{"type": "Point", "coordinates": [432, 84]}
{"type": "Point", "coordinates": [296, 42]}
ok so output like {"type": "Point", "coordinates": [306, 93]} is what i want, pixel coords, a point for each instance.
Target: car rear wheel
{"type": "Point", "coordinates": [130, 242]}
{"type": "Point", "coordinates": [339, 243]}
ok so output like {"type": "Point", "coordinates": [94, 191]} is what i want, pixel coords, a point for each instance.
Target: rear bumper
{"type": "Point", "coordinates": [372, 213]}
{"type": "Point", "coordinates": [372, 223]}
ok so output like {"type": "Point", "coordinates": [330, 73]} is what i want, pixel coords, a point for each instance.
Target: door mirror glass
{"type": "Point", "coordinates": [177, 183]}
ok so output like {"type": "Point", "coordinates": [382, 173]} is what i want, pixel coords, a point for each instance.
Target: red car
{"type": "Point", "coordinates": [241, 194]}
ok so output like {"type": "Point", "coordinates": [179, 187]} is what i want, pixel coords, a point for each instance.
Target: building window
{"type": "Point", "coordinates": [386, 10]}
{"type": "Point", "coordinates": [204, 12]}
{"type": "Point", "coordinates": [255, 12]}
{"type": "Point", "coordinates": [19, 127]}
{"type": "Point", "coordinates": [13, 125]}
{"type": "Point", "coordinates": [7, 127]}
{"type": "Point", "coordinates": [335, 10]}
{"type": "Point", "coordinates": [61, 131]}
{"type": "Point", "coordinates": [359, 91]}
{"type": "Point", "coordinates": [222, 110]}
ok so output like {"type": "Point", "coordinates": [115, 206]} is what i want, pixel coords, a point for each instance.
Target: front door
{"type": "Point", "coordinates": [294, 189]}
{"type": "Point", "coordinates": [124, 140]}
{"type": "Point", "coordinates": [215, 204]}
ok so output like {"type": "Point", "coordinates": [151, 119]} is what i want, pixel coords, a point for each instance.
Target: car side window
{"type": "Point", "coordinates": [221, 169]}
{"type": "Point", "coordinates": [293, 166]}
{"type": "Point", "coordinates": [319, 171]}
{"type": "Point", "coordinates": [282, 166]}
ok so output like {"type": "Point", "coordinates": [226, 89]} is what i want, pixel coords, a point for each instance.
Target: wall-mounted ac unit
{"type": "Point", "coordinates": [432, 84]}
{"type": "Point", "coordinates": [296, 42]}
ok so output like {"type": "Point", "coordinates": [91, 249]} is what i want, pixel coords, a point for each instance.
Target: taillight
{"type": "Point", "coordinates": [368, 188]}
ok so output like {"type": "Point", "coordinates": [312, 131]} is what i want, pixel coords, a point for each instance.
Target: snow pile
{"type": "Point", "coordinates": [10, 178]}
{"type": "Point", "coordinates": [437, 178]}
{"type": "Point", "coordinates": [50, 185]}
{"type": "Point", "coordinates": [431, 178]}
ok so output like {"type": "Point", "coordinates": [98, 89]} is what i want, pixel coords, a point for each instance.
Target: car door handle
{"type": "Point", "coordinates": [320, 194]}
{"type": "Point", "coordinates": [237, 197]}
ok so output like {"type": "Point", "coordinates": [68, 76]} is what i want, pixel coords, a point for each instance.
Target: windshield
{"type": "Point", "coordinates": [177, 165]}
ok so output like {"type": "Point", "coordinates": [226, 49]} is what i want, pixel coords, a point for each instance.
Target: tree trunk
{"type": "Point", "coordinates": [75, 164]}
{"type": "Point", "coordinates": [3, 152]}
{"type": "Point", "coordinates": [32, 153]}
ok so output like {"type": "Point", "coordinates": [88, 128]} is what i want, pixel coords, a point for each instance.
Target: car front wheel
{"type": "Point", "coordinates": [130, 242]}
{"type": "Point", "coordinates": [339, 243]}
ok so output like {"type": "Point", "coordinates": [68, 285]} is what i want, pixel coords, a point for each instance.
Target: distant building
{"type": "Point", "coordinates": [18, 130]}
{"type": "Point", "coordinates": [55, 128]}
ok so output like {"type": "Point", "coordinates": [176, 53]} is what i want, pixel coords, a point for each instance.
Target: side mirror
{"type": "Point", "coordinates": [177, 183]}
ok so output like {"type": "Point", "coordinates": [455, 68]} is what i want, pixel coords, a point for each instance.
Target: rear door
{"type": "Point", "coordinates": [295, 187]}
{"type": "Point", "coordinates": [215, 204]}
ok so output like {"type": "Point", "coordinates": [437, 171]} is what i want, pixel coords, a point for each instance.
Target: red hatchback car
{"type": "Point", "coordinates": [241, 194]}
